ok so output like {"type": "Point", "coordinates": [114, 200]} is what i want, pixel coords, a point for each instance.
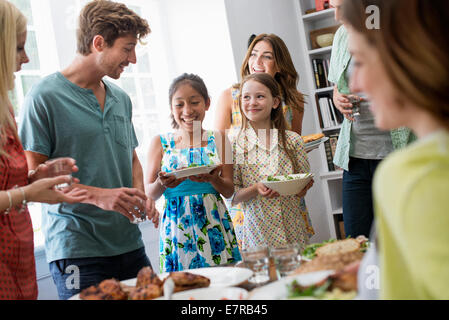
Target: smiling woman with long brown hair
{"type": "Point", "coordinates": [403, 67]}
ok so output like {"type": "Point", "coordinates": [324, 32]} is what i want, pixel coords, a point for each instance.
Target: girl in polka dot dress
{"type": "Point", "coordinates": [265, 148]}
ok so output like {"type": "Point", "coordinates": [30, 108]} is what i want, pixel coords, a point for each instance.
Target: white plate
{"type": "Point", "coordinates": [181, 173]}
{"type": "Point", "coordinates": [211, 293]}
{"type": "Point", "coordinates": [289, 187]}
{"type": "Point", "coordinates": [279, 291]}
{"type": "Point", "coordinates": [315, 144]}
{"type": "Point", "coordinates": [220, 276]}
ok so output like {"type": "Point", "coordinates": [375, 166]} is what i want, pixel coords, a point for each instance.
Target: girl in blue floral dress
{"type": "Point", "coordinates": [196, 230]}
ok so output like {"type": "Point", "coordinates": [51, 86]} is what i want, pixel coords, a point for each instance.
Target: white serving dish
{"type": "Point", "coordinates": [287, 187]}
{"type": "Point", "coordinates": [187, 172]}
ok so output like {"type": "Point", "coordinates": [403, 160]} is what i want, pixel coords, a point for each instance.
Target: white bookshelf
{"type": "Point", "coordinates": [323, 14]}
{"type": "Point", "coordinates": [331, 181]}
{"type": "Point", "coordinates": [320, 51]}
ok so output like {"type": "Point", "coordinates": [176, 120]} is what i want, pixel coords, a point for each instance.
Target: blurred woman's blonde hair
{"type": "Point", "coordinates": [12, 23]}
{"type": "Point", "coordinates": [287, 77]}
{"type": "Point", "coordinates": [413, 44]}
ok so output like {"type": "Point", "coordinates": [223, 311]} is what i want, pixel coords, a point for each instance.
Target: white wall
{"type": "Point", "coordinates": [198, 42]}
{"type": "Point", "coordinates": [246, 17]}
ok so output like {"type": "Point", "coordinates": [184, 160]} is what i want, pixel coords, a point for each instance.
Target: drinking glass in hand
{"type": "Point", "coordinates": [59, 167]}
{"type": "Point", "coordinates": [257, 260]}
{"type": "Point", "coordinates": [355, 101]}
{"type": "Point", "coordinates": [286, 259]}
{"type": "Point", "coordinates": [143, 214]}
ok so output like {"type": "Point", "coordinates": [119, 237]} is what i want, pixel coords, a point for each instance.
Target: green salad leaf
{"type": "Point", "coordinates": [295, 290]}
{"type": "Point", "coordinates": [286, 177]}
{"type": "Point", "coordinates": [309, 251]}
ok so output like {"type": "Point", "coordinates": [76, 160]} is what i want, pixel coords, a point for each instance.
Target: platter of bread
{"type": "Point", "coordinates": [312, 137]}
{"type": "Point", "coordinates": [313, 141]}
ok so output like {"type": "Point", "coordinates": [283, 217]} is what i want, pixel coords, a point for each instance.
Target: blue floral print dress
{"type": "Point", "coordinates": [196, 229]}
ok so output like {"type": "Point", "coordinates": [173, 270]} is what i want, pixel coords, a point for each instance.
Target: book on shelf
{"type": "Point", "coordinates": [326, 64]}
{"type": "Point", "coordinates": [321, 71]}
{"type": "Point", "coordinates": [330, 116]}
{"type": "Point", "coordinates": [330, 147]}
{"type": "Point", "coordinates": [329, 157]}
{"type": "Point", "coordinates": [322, 5]}
{"type": "Point", "coordinates": [333, 139]}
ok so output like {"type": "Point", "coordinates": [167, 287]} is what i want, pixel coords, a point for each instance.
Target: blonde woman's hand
{"type": "Point", "coordinates": [266, 192]}
{"type": "Point", "coordinates": [43, 190]}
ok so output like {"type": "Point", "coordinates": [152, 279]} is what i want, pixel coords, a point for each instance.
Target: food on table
{"type": "Point", "coordinates": [148, 286]}
{"type": "Point", "coordinates": [340, 285]}
{"type": "Point", "coordinates": [295, 290]}
{"type": "Point", "coordinates": [333, 254]}
{"type": "Point", "coordinates": [310, 251]}
{"type": "Point", "coordinates": [339, 247]}
{"type": "Point", "coordinates": [345, 281]}
{"type": "Point", "coordinates": [329, 289]}
{"type": "Point", "coordinates": [335, 262]}
{"type": "Point", "coordinates": [286, 177]}
{"type": "Point", "coordinates": [333, 246]}
{"type": "Point", "coordinates": [186, 281]}
{"type": "Point", "coordinates": [109, 289]}
{"type": "Point", "coordinates": [312, 137]}
{"type": "Point", "coordinates": [147, 276]}
{"type": "Point", "coordinates": [146, 292]}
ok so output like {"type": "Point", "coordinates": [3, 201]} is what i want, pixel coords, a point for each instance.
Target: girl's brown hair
{"type": "Point", "coordinates": [413, 44]}
{"type": "Point", "coordinates": [277, 114]}
{"type": "Point", "coordinates": [287, 77]}
{"type": "Point", "coordinates": [109, 19]}
{"type": "Point", "coordinates": [195, 81]}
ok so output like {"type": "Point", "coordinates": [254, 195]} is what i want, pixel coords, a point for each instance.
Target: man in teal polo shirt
{"type": "Point", "coordinates": [75, 113]}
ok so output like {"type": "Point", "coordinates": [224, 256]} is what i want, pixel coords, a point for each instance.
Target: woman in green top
{"type": "Point", "coordinates": [403, 67]}
{"type": "Point", "coordinates": [361, 146]}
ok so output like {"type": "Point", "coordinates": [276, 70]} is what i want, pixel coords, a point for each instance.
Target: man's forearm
{"type": "Point", "coordinates": [137, 174]}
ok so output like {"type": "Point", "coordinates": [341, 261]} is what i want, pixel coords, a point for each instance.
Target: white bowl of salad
{"type": "Point", "coordinates": [288, 185]}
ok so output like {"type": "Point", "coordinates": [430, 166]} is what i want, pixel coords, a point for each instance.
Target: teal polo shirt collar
{"type": "Point", "coordinates": [86, 93]}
